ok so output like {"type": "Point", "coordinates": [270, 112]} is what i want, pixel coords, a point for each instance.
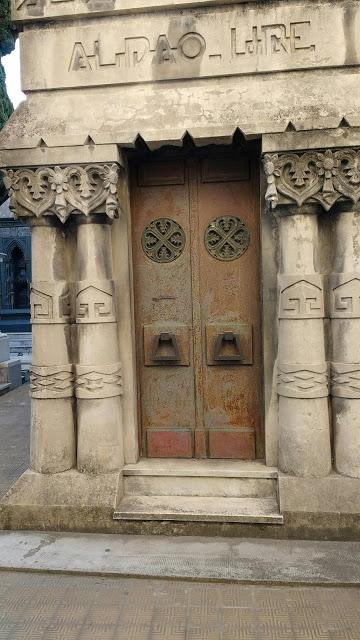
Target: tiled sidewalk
{"type": "Point", "coordinates": [14, 436]}
{"type": "Point", "coordinates": [62, 607]}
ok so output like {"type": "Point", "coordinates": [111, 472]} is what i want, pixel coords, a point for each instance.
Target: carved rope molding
{"type": "Point", "coordinates": [61, 191]}
{"type": "Point", "coordinates": [324, 177]}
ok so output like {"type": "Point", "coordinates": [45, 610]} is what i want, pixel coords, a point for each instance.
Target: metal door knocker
{"type": "Point", "coordinates": [227, 347]}
{"type": "Point", "coordinates": [166, 348]}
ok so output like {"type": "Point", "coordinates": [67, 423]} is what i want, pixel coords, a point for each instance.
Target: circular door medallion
{"type": "Point", "coordinates": [227, 238]}
{"type": "Point", "coordinates": [163, 240]}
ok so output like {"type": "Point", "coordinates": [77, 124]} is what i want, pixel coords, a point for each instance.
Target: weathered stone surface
{"type": "Point", "coordinates": [202, 43]}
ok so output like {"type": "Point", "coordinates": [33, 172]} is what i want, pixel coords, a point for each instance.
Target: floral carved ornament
{"type": "Point", "coordinates": [324, 177]}
{"type": "Point", "coordinates": [61, 191]}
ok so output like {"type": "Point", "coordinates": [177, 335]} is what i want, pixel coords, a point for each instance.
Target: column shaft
{"type": "Point", "coordinates": [345, 328]}
{"type": "Point", "coordinates": [52, 442]}
{"type": "Point", "coordinates": [304, 436]}
{"type": "Point", "coordinates": [98, 374]}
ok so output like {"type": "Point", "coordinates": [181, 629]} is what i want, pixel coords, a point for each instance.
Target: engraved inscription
{"type": "Point", "coordinates": [137, 51]}
{"type": "Point", "coordinates": [272, 39]}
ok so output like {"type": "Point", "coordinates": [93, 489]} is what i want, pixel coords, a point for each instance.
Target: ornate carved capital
{"type": "Point", "coordinates": [61, 191]}
{"type": "Point", "coordinates": [322, 177]}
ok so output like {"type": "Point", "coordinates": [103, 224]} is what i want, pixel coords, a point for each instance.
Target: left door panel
{"type": "Point", "coordinates": [163, 308]}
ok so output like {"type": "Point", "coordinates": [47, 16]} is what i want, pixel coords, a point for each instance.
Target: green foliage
{"type": "Point", "coordinates": [7, 32]}
{"type": "Point", "coordinates": [7, 43]}
{"type": "Point", "coordinates": [6, 107]}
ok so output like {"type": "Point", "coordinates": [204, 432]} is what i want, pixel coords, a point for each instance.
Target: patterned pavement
{"type": "Point", "coordinates": [63, 607]}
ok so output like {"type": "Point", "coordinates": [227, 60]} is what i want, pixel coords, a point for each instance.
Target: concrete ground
{"type": "Point", "coordinates": [308, 590]}
{"type": "Point", "coordinates": [14, 436]}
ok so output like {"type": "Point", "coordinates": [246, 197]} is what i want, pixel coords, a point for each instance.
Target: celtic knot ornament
{"type": "Point", "coordinates": [163, 240]}
{"type": "Point", "coordinates": [227, 238]}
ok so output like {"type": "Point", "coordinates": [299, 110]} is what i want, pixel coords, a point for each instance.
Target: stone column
{"type": "Point", "coordinates": [52, 441]}
{"type": "Point", "coordinates": [47, 197]}
{"type": "Point", "coordinates": [98, 372]}
{"type": "Point", "coordinates": [345, 328]}
{"type": "Point", "coordinates": [304, 435]}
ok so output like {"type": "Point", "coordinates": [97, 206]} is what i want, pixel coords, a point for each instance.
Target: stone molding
{"type": "Point", "coordinates": [302, 380]}
{"type": "Point", "coordinates": [324, 177]}
{"type": "Point", "coordinates": [95, 301]}
{"type": "Point", "coordinates": [51, 302]}
{"type": "Point", "coordinates": [301, 297]}
{"type": "Point", "coordinates": [344, 295]}
{"type": "Point", "coordinates": [98, 381]}
{"type": "Point", "coordinates": [52, 381]}
{"type": "Point", "coordinates": [61, 191]}
{"type": "Point", "coordinates": [345, 380]}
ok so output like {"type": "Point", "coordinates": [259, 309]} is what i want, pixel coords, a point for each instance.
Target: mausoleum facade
{"type": "Point", "coordinates": [190, 171]}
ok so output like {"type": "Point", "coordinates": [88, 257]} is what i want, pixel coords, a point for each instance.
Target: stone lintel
{"type": "Point", "coordinates": [311, 139]}
{"type": "Point", "coordinates": [43, 155]}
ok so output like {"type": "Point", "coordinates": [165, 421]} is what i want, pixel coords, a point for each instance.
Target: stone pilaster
{"type": "Point", "coordinates": [345, 326]}
{"type": "Point", "coordinates": [98, 372]}
{"type": "Point", "coordinates": [304, 436]}
{"type": "Point", "coordinates": [52, 440]}
{"type": "Point", "coordinates": [47, 197]}
{"type": "Point", "coordinates": [300, 184]}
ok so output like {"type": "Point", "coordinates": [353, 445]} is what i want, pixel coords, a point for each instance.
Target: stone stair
{"type": "Point", "coordinates": [199, 491]}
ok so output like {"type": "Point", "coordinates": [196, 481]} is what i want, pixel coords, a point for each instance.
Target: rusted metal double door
{"type": "Point", "coordinates": [195, 225]}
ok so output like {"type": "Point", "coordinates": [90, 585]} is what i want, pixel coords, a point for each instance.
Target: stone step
{"type": "Point", "coordinates": [4, 387]}
{"type": "Point", "coordinates": [199, 509]}
{"type": "Point", "coordinates": [205, 468]}
{"type": "Point", "coordinates": [200, 486]}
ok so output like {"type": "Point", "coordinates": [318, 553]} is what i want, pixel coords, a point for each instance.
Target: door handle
{"type": "Point", "coordinates": [224, 342]}
{"type": "Point", "coordinates": [166, 348]}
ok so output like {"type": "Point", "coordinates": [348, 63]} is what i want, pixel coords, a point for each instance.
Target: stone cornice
{"type": "Point", "coordinates": [61, 191]}
{"type": "Point", "coordinates": [324, 177]}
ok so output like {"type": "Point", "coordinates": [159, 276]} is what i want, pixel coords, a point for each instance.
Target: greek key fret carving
{"type": "Point", "coordinates": [324, 177]}
{"type": "Point", "coordinates": [98, 381]}
{"type": "Point", "coordinates": [95, 301]}
{"type": "Point", "coordinates": [345, 295]}
{"type": "Point", "coordinates": [301, 298]}
{"type": "Point", "coordinates": [61, 191]}
{"type": "Point", "coordinates": [345, 380]}
{"type": "Point", "coordinates": [52, 382]}
{"type": "Point", "coordinates": [302, 380]}
{"type": "Point", "coordinates": [51, 302]}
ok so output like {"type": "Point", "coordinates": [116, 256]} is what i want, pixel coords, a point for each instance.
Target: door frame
{"type": "Point", "coordinates": [131, 415]}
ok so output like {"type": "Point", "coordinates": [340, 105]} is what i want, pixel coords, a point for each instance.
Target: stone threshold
{"type": "Point", "coordinates": [200, 468]}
